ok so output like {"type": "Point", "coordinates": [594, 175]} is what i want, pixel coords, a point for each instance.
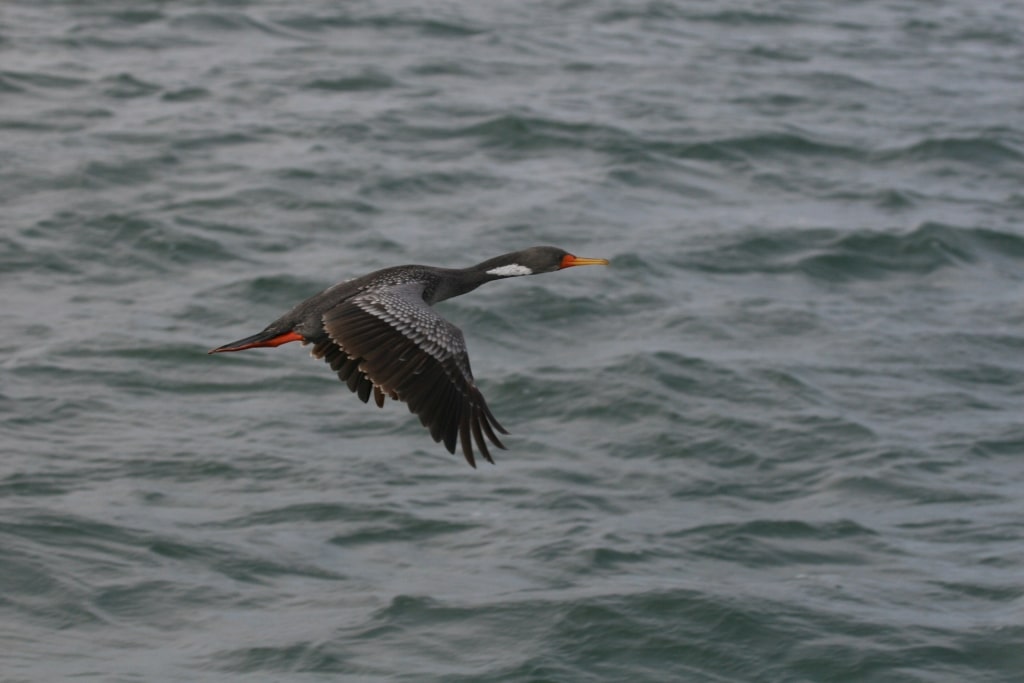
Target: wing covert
{"type": "Point", "coordinates": [389, 342]}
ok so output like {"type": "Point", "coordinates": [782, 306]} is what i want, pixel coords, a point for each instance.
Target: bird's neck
{"type": "Point", "coordinates": [459, 281]}
{"type": "Point", "coordinates": [506, 265]}
{"type": "Point", "coordinates": [463, 280]}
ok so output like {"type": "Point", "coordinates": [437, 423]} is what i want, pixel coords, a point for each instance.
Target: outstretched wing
{"type": "Point", "coordinates": [389, 342]}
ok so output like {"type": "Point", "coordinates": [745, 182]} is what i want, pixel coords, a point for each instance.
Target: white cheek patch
{"type": "Point", "coordinates": [511, 270]}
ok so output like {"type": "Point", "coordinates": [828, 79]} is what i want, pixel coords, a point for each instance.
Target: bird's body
{"type": "Point", "coordinates": [380, 334]}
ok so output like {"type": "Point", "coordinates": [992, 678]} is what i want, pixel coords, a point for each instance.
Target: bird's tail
{"type": "Point", "coordinates": [264, 338]}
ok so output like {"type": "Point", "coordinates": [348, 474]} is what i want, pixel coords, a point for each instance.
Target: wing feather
{"type": "Point", "coordinates": [389, 342]}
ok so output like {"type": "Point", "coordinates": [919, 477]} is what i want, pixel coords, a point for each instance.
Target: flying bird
{"type": "Point", "coordinates": [380, 334]}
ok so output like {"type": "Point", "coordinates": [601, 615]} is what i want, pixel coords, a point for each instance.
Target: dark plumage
{"type": "Point", "coordinates": [380, 334]}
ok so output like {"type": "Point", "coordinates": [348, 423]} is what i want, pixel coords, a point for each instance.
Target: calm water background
{"type": "Point", "coordinates": [779, 439]}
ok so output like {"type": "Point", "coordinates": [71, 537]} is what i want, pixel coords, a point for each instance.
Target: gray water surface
{"type": "Point", "coordinates": [780, 438]}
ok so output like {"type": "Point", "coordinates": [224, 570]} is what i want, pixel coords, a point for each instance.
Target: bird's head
{"type": "Point", "coordinates": [536, 260]}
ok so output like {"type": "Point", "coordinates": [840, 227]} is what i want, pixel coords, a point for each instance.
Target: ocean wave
{"type": "Point", "coordinates": [977, 149]}
{"type": "Point", "coordinates": [832, 255]}
{"type": "Point", "coordinates": [431, 25]}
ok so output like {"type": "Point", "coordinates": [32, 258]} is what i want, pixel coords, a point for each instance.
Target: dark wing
{"type": "Point", "coordinates": [389, 342]}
